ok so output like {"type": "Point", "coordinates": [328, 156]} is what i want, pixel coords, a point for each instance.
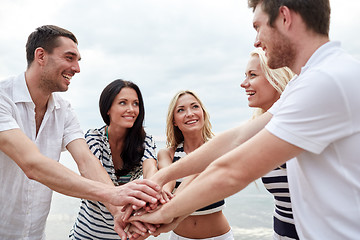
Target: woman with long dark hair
{"type": "Point", "coordinates": [123, 148]}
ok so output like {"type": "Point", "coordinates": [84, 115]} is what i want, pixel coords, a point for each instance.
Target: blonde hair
{"type": "Point", "coordinates": [173, 134]}
{"type": "Point", "coordinates": [278, 78]}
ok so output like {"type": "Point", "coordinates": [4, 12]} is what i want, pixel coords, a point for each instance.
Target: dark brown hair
{"type": "Point", "coordinates": [315, 13]}
{"type": "Point", "coordinates": [133, 149]}
{"type": "Point", "coordinates": [46, 37]}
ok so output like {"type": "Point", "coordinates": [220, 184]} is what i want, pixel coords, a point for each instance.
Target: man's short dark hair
{"type": "Point", "coordinates": [46, 37]}
{"type": "Point", "coordinates": [315, 13]}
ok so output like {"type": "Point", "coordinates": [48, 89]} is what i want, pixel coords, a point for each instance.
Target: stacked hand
{"type": "Point", "coordinates": [141, 222]}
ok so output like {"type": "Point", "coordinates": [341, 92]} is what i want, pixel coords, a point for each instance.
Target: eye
{"type": "Point", "coordinates": [179, 110]}
{"type": "Point", "coordinates": [253, 75]}
{"type": "Point", "coordinates": [196, 106]}
{"type": "Point", "coordinates": [122, 103]}
{"type": "Point", "coordinates": [136, 104]}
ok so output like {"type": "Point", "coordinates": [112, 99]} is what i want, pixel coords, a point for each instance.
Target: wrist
{"type": "Point", "coordinates": [159, 178]}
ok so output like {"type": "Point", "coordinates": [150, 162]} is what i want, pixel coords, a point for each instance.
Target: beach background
{"type": "Point", "coordinates": [163, 46]}
{"type": "Point", "coordinates": [249, 212]}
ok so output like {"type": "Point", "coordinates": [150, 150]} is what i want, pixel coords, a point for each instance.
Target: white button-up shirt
{"type": "Point", "coordinates": [25, 203]}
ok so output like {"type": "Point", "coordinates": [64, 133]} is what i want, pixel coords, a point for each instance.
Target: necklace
{"type": "Point", "coordinates": [107, 132]}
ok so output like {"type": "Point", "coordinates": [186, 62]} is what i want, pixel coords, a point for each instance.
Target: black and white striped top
{"type": "Point", "coordinates": [276, 183]}
{"type": "Point", "coordinates": [94, 221]}
{"type": "Point", "coordinates": [212, 208]}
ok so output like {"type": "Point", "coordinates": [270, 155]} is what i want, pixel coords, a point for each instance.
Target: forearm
{"type": "Point", "coordinates": [185, 182]}
{"type": "Point", "coordinates": [233, 172]}
{"type": "Point", "coordinates": [203, 190]}
{"type": "Point", "coordinates": [63, 180]}
{"type": "Point", "coordinates": [149, 168]}
{"type": "Point", "coordinates": [15, 144]}
{"type": "Point", "coordinates": [199, 159]}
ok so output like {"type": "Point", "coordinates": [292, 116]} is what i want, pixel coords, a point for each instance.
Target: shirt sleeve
{"type": "Point", "coordinates": [7, 120]}
{"type": "Point", "coordinates": [72, 128]}
{"type": "Point", "coordinates": [312, 113]}
{"type": "Point", "coordinates": [150, 148]}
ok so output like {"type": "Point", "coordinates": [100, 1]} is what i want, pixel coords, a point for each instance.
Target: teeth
{"type": "Point", "coordinates": [68, 77]}
{"type": "Point", "coordinates": [190, 122]}
{"type": "Point", "coordinates": [250, 93]}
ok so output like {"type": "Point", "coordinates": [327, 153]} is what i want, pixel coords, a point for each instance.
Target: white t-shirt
{"type": "Point", "coordinates": [25, 203]}
{"type": "Point", "coordinates": [319, 111]}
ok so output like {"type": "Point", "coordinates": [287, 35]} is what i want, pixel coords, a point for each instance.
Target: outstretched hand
{"type": "Point", "coordinates": [127, 225]}
{"type": "Point", "coordinates": [137, 192]}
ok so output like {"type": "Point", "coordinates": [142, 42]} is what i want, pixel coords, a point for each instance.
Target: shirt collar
{"type": "Point", "coordinates": [320, 54]}
{"type": "Point", "coordinates": [21, 93]}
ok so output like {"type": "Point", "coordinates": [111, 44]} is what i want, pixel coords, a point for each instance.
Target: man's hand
{"type": "Point", "coordinates": [137, 192]}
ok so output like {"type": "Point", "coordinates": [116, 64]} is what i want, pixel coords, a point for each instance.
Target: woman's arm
{"type": "Point", "coordinates": [221, 144]}
{"type": "Point", "coordinates": [165, 158]}
{"type": "Point", "coordinates": [149, 167]}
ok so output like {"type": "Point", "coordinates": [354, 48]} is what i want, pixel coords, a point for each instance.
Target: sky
{"type": "Point", "coordinates": [161, 45]}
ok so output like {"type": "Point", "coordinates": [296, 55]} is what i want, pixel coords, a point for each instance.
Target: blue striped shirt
{"type": "Point", "coordinates": [94, 221]}
{"type": "Point", "coordinates": [276, 183]}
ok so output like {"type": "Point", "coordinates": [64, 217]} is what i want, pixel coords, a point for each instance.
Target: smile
{"type": "Point", "coordinates": [67, 77]}
{"type": "Point", "coordinates": [191, 122]}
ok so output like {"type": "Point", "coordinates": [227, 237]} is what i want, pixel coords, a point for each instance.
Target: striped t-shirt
{"type": "Point", "coordinates": [276, 183]}
{"type": "Point", "coordinates": [94, 221]}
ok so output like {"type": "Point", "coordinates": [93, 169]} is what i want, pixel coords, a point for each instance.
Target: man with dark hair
{"type": "Point", "coordinates": [316, 120]}
{"type": "Point", "coordinates": [36, 124]}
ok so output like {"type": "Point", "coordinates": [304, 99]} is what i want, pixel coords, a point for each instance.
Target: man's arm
{"type": "Point", "coordinates": [226, 176]}
{"type": "Point", "coordinates": [199, 159]}
{"type": "Point", "coordinates": [36, 166]}
{"type": "Point", "coordinates": [89, 166]}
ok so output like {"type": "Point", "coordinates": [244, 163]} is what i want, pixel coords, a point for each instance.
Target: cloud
{"type": "Point", "coordinates": [163, 46]}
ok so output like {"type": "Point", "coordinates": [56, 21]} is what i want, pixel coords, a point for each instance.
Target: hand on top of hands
{"type": "Point", "coordinates": [136, 229]}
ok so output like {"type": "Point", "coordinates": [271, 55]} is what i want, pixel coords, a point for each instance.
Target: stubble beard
{"type": "Point", "coordinates": [283, 54]}
{"type": "Point", "coordinates": [50, 81]}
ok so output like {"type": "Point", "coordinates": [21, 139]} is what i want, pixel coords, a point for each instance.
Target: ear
{"type": "Point", "coordinates": [40, 56]}
{"type": "Point", "coordinates": [285, 16]}
{"type": "Point", "coordinates": [174, 124]}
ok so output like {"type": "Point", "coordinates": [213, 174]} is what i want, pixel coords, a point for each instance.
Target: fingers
{"type": "Point", "coordinates": [149, 183]}
{"type": "Point", "coordinates": [151, 228]}
{"type": "Point", "coordinates": [147, 217]}
{"type": "Point", "coordinates": [138, 227]}
{"type": "Point", "coordinates": [138, 192]}
{"type": "Point", "coordinates": [127, 212]}
{"type": "Point", "coordinates": [120, 231]}
{"type": "Point", "coordinates": [166, 196]}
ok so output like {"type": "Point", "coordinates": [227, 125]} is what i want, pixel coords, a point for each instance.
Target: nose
{"type": "Point", "coordinates": [189, 112]}
{"type": "Point", "coordinates": [76, 67]}
{"type": "Point", "coordinates": [257, 42]}
{"type": "Point", "coordinates": [244, 83]}
{"type": "Point", "coordinates": [130, 108]}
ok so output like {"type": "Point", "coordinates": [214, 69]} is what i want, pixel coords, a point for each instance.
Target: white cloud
{"type": "Point", "coordinates": [161, 45]}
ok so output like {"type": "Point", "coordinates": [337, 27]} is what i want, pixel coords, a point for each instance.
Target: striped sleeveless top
{"type": "Point", "coordinates": [212, 208]}
{"type": "Point", "coordinates": [276, 183]}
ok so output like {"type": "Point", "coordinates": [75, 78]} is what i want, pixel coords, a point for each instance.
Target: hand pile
{"type": "Point", "coordinates": [134, 219]}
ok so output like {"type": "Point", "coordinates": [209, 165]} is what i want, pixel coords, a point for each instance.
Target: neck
{"type": "Point", "coordinates": [306, 48]}
{"type": "Point", "coordinates": [38, 95]}
{"type": "Point", "coordinates": [192, 142]}
{"type": "Point", "coordinates": [116, 135]}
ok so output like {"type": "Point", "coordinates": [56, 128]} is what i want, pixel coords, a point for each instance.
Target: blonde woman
{"type": "Point", "coordinates": [187, 128]}
{"type": "Point", "coordinates": [264, 87]}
